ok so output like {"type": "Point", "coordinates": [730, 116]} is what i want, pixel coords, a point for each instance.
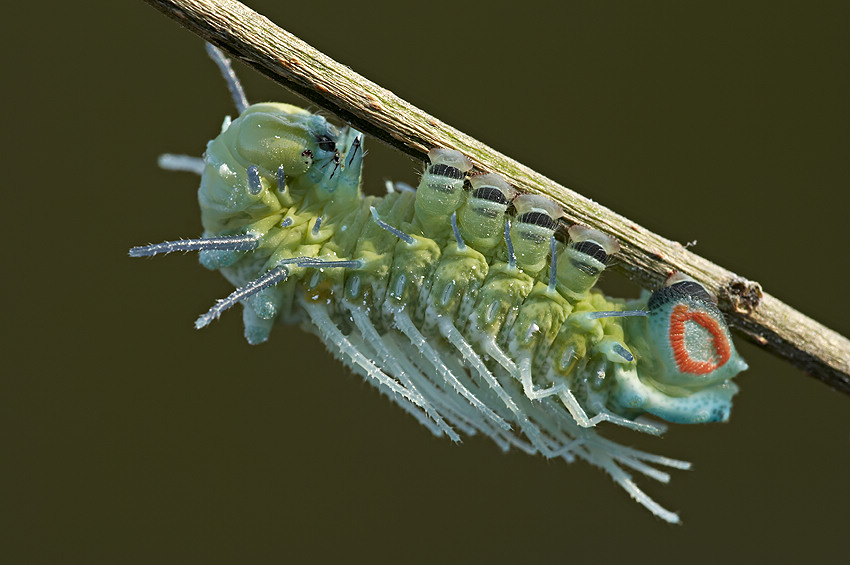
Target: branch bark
{"type": "Point", "coordinates": [645, 257]}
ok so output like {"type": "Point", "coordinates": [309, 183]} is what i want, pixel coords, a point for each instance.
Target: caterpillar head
{"type": "Point", "coordinates": [277, 142]}
{"type": "Point", "coordinates": [688, 360]}
{"type": "Point", "coordinates": [271, 134]}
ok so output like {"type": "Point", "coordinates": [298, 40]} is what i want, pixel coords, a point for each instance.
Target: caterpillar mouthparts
{"type": "Point", "coordinates": [456, 300]}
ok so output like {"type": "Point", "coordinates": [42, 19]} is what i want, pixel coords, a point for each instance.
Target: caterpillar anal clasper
{"type": "Point", "coordinates": [456, 300]}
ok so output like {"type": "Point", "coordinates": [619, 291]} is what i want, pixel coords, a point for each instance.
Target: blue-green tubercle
{"type": "Point", "coordinates": [455, 300]}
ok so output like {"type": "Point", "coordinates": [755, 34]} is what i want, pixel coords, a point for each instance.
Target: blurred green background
{"type": "Point", "coordinates": [127, 436]}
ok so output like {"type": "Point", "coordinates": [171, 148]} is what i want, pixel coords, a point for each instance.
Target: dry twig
{"type": "Point", "coordinates": [645, 256]}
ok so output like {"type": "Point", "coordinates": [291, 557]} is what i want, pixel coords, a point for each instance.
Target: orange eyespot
{"type": "Point", "coordinates": [687, 364]}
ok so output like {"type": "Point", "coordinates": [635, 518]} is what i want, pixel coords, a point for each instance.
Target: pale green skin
{"type": "Point", "coordinates": [475, 287]}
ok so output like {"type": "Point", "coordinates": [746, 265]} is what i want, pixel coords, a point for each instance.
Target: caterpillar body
{"type": "Point", "coordinates": [456, 299]}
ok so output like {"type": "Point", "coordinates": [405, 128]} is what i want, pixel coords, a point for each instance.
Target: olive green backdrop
{"type": "Point", "coordinates": [127, 436]}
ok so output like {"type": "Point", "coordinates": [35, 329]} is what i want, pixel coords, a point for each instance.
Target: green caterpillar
{"type": "Point", "coordinates": [456, 299]}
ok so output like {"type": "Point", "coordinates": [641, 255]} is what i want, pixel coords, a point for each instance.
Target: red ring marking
{"type": "Point", "coordinates": [684, 361]}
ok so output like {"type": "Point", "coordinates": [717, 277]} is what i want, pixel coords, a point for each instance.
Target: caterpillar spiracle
{"type": "Point", "coordinates": [455, 299]}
